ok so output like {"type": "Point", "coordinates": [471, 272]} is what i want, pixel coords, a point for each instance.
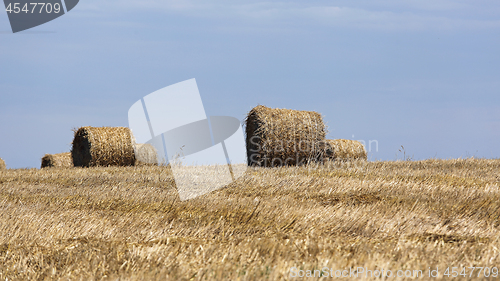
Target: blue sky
{"type": "Point", "coordinates": [422, 74]}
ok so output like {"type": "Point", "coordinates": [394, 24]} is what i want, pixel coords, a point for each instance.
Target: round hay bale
{"type": "Point", "coordinates": [2, 164]}
{"type": "Point", "coordinates": [145, 154]}
{"type": "Point", "coordinates": [282, 137]}
{"type": "Point", "coordinates": [103, 146]}
{"type": "Point", "coordinates": [61, 160]}
{"type": "Point", "coordinates": [344, 150]}
{"type": "Point", "coordinates": [324, 151]}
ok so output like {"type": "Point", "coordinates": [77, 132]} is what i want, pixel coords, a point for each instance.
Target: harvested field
{"type": "Point", "coordinates": [128, 223]}
{"type": "Point", "coordinates": [2, 164]}
{"type": "Point", "coordinates": [103, 146]}
{"type": "Point", "coordinates": [60, 160]}
{"type": "Point", "coordinates": [282, 137]}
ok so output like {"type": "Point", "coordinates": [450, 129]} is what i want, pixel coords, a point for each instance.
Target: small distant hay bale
{"type": "Point", "coordinates": [343, 150]}
{"type": "Point", "coordinates": [2, 164]}
{"type": "Point", "coordinates": [282, 137]}
{"type": "Point", "coordinates": [103, 146]}
{"type": "Point", "coordinates": [61, 160]}
{"type": "Point", "coordinates": [145, 154]}
{"type": "Point", "coordinates": [324, 151]}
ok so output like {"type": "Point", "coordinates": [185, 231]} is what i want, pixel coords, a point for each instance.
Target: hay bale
{"type": "Point", "coordinates": [324, 151]}
{"type": "Point", "coordinates": [103, 146]}
{"type": "Point", "coordinates": [61, 160]}
{"type": "Point", "coordinates": [282, 137]}
{"type": "Point", "coordinates": [145, 154]}
{"type": "Point", "coordinates": [2, 164]}
{"type": "Point", "coordinates": [344, 150]}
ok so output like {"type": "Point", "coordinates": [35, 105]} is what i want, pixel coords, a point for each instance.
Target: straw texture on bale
{"type": "Point", "coordinates": [324, 151]}
{"type": "Point", "coordinates": [61, 160]}
{"type": "Point", "coordinates": [103, 146]}
{"type": "Point", "coordinates": [145, 154]}
{"type": "Point", "coordinates": [344, 150]}
{"type": "Point", "coordinates": [2, 164]}
{"type": "Point", "coordinates": [282, 137]}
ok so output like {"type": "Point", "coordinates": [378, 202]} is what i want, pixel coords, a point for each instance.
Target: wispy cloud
{"type": "Point", "coordinates": [384, 15]}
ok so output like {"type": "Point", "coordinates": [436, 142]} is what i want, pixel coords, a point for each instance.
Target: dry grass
{"type": "Point", "coordinates": [2, 164]}
{"type": "Point", "coordinates": [61, 160]}
{"type": "Point", "coordinates": [127, 223]}
{"type": "Point", "coordinates": [103, 146]}
{"type": "Point", "coordinates": [282, 137]}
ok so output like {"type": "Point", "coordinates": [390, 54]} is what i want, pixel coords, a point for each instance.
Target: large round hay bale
{"type": "Point", "coordinates": [2, 164]}
{"type": "Point", "coordinates": [61, 160]}
{"type": "Point", "coordinates": [344, 150]}
{"type": "Point", "coordinates": [145, 154]}
{"type": "Point", "coordinates": [282, 137]}
{"type": "Point", "coordinates": [103, 146]}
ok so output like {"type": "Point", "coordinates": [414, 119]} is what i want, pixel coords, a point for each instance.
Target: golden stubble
{"type": "Point", "coordinates": [127, 223]}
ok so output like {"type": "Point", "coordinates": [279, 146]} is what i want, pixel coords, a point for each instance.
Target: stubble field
{"type": "Point", "coordinates": [129, 224]}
